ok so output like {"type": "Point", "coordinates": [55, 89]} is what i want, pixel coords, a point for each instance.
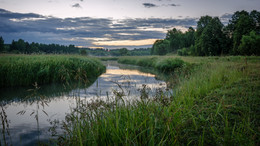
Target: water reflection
{"type": "Point", "coordinates": [39, 106]}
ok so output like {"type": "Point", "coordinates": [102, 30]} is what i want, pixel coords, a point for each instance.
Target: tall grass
{"type": "Point", "coordinates": [19, 70]}
{"type": "Point", "coordinates": [216, 105]}
{"type": "Point", "coordinates": [163, 65]}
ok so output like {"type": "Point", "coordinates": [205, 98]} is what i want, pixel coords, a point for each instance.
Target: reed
{"type": "Point", "coordinates": [23, 70]}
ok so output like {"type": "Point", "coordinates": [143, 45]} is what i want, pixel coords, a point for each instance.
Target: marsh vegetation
{"type": "Point", "coordinates": [216, 103]}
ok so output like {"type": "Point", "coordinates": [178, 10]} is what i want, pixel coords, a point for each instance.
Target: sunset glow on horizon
{"type": "Point", "coordinates": [125, 42]}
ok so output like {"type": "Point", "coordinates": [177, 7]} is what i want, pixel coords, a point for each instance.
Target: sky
{"type": "Point", "coordinates": [108, 23]}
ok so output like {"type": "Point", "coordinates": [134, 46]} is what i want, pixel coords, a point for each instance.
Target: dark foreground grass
{"type": "Point", "coordinates": [22, 70]}
{"type": "Point", "coordinates": [218, 104]}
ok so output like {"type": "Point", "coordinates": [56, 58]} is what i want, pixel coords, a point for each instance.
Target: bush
{"type": "Point", "coordinates": [250, 44]}
{"type": "Point", "coordinates": [147, 62]}
{"type": "Point", "coordinates": [183, 52]}
{"type": "Point", "coordinates": [169, 64]}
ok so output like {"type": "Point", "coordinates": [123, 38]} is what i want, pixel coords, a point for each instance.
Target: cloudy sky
{"type": "Point", "coordinates": [108, 23]}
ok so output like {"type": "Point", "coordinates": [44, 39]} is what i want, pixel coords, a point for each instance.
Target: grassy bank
{"type": "Point", "coordinates": [150, 61]}
{"type": "Point", "coordinates": [165, 65]}
{"type": "Point", "coordinates": [22, 70]}
{"type": "Point", "coordinates": [217, 104]}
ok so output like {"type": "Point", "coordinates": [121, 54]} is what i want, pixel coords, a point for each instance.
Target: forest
{"type": "Point", "coordinates": [211, 38]}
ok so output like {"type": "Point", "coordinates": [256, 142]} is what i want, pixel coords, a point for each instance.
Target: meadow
{"type": "Point", "coordinates": [215, 102]}
{"type": "Point", "coordinates": [26, 70]}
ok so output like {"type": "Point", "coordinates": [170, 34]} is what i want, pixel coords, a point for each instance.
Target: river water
{"type": "Point", "coordinates": [26, 113]}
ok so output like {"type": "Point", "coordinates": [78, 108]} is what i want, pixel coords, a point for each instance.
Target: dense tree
{"type": "Point", "coordinates": [174, 40]}
{"type": "Point", "coordinates": [34, 48]}
{"type": "Point", "coordinates": [123, 52]}
{"type": "Point", "coordinates": [175, 37]}
{"type": "Point", "coordinates": [189, 38]}
{"type": "Point", "coordinates": [242, 23]}
{"type": "Point", "coordinates": [211, 39]}
{"type": "Point", "coordinates": [255, 15]}
{"type": "Point", "coordinates": [201, 25]}
{"type": "Point", "coordinates": [160, 47]}
{"type": "Point", "coordinates": [26, 48]}
{"type": "Point", "coordinates": [1, 44]}
{"type": "Point", "coordinates": [250, 44]}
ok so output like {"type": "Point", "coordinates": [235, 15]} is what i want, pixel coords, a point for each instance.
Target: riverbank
{"type": "Point", "coordinates": [215, 103]}
{"type": "Point", "coordinates": [26, 70]}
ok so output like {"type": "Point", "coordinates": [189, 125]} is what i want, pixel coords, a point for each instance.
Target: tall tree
{"type": "Point", "coordinates": [189, 37]}
{"type": "Point", "coordinates": [210, 39]}
{"type": "Point", "coordinates": [176, 40]}
{"type": "Point", "coordinates": [160, 47]}
{"type": "Point", "coordinates": [255, 15]}
{"type": "Point", "coordinates": [1, 44]}
{"type": "Point", "coordinates": [241, 24]}
{"type": "Point", "coordinates": [201, 25]}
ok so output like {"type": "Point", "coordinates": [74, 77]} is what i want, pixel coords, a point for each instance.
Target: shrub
{"type": "Point", "coordinates": [169, 64]}
{"type": "Point", "coordinates": [183, 52]}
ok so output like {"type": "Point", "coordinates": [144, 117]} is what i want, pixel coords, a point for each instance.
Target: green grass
{"type": "Point", "coordinates": [164, 65]}
{"type": "Point", "coordinates": [108, 58]}
{"type": "Point", "coordinates": [23, 70]}
{"type": "Point", "coordinates": [217, 103]}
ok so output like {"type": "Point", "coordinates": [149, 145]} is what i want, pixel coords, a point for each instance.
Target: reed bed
{"type": "Point", "coordinates": [24, 70]}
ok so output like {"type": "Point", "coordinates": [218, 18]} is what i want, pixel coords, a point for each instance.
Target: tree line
{"type": "Point", "coordinates": [120, 52]}
{"type": "Point", "coordinates": [24, 47]}
{"type": "Point", "coordinates": [240, 37]}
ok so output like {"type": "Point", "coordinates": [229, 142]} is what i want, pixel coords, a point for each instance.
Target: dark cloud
{"type": "Point", "coordinates": [83, 31]}
{"type": "Point", "coordinates": [8, 14]}
{"type": "Point", "coordinates": [149, 5]}
{"type": "Point", "coordinates": [77, 5]}
{"type": "Point", "coordinates": [160, 23]}
{"type": "Point", "coordinates": [173, 5]}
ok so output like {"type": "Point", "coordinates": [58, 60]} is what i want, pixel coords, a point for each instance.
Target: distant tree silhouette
{"type": "Point", "coordinates": [1, 44]}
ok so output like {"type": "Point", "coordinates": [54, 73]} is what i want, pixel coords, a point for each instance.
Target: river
{"type": "Point", "coordinates": [26, 113]}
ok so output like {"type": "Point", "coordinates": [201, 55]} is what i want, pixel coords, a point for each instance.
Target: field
{"type": "Point", "coordinates": [215, 101]}
{"type": "Point", "coordinates": [25, 70]}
